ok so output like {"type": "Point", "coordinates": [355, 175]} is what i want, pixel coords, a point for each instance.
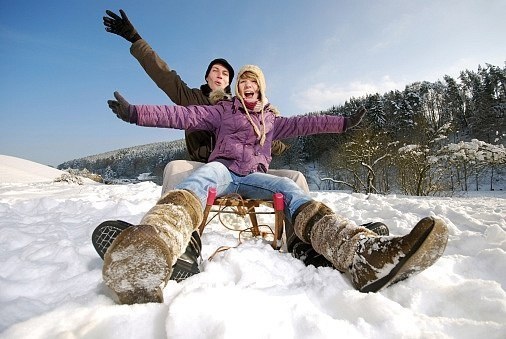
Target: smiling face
{"type": "Point", "coordinates": [248, 88]}
{"type": "Point", "coordinates": [218, 77]}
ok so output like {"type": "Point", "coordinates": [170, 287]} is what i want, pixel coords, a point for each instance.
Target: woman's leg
{"type": "Point", "coordinates": [373, 262]}
{"type": "Point", "coordinates": [139, 262]}
{"type": "Point", "coordinates": [263, 186]}
{"type": "Point", "coordinates": [211, 175]}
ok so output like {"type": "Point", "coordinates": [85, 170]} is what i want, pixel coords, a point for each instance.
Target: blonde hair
{"type": "Point", "coordinates": [250, 75]}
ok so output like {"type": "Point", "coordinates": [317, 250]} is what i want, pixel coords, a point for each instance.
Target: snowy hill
{"type": "Point", "coordinates": [16, 170]}
{"type": "Point", "coordinates": [131, 162]}
{"type": "Point", "coordinates": [51, 284]}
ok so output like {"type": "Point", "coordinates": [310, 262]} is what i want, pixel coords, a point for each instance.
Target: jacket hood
{"type": "Point", "coordinates": [206, 90]}
{"type": "Point", "coordinates": [218, 95]}
{"type": "Point", "coordinates": [260, 81]}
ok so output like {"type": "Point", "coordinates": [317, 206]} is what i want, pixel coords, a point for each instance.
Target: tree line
{"type": "Point", "coordinates": [432, 137]}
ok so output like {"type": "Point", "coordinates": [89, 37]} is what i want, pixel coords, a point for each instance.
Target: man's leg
{"type": "Point", "coordinates": [176, 171]}
{"type": "Point", "coordinates": [296, 176]}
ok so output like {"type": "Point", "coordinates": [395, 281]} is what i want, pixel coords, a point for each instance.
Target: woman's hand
{"type": "Point", "coordinates": [120, 107]}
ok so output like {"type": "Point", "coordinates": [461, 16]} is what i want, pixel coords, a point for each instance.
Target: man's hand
{"type": "Point", "coordinates": [120, 107]}
{"type": "Point", "coordinates": [355, 118]}
{"type": "Point", "coordinates": [120, 26]}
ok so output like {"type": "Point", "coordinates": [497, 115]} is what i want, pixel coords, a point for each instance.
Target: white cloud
{"type": "Point", "coordinates": [322, 96]}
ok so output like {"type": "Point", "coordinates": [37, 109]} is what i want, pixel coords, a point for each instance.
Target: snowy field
{"type": "Point", "coordinates": [51, 284]}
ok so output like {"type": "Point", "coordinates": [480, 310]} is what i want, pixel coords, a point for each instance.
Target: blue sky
{"type": "Point", "coordinates": [58, 66]}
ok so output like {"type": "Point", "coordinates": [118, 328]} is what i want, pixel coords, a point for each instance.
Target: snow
{"type": "Point", "coordinates": [51, 284]}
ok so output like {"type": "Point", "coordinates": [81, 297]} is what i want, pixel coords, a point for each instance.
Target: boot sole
{"type": "Point", "coordinates": [377, 227]}
{"type": "Point", "coordinates": [426, 251]}
{"type": "Point", "coordinates": [105, 233]}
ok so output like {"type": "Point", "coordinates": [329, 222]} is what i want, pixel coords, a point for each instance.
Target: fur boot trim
{"type": "Point", "coordinates": [139, 262]}
{"type": "Point", "coordinates": [306, 216]}
{"type": "Point", "coordinates": [176, 215]}
{"type": "Point", "coordinates": [185, 199]}
{"type": "Point", "coordinates": [331, 235]}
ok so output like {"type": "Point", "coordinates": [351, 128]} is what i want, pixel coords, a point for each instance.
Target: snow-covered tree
{"type": "Point", "coordinates": [419, 171]}
{"type": "Point", "coordinates": [472, 158]}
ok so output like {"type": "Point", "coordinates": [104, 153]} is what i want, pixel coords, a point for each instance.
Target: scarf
{"type": "Point", "coordinates": [255, 107]}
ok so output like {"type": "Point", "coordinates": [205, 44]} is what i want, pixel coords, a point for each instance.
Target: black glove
{"type": "Point", "coordinates": [355, 118]}
{"type": "Point", "coordinates": [120, 26]}
{"type": "Point", "coordinates": [120, 107]}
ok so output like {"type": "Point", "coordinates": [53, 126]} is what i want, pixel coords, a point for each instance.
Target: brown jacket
{"type": "Point", "coordinates": [198, 143]}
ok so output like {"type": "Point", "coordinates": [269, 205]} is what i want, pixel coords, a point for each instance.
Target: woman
{"type": "Point", "coordinates": [138, 263]}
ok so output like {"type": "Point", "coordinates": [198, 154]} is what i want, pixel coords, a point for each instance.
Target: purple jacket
{"type": "Point", "coordinates": [237, 145]}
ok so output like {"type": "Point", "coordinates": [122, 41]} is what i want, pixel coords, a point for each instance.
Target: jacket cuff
{"type": "Point", "coordinates": [135, 48]}
{"type": "Point", "coordinates": [133, 114]}
{"type": "Point", "coordinates": [346, 123]}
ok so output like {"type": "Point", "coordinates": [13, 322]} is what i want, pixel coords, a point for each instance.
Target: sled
{"type": "Point", "coordinates": [235, 204]}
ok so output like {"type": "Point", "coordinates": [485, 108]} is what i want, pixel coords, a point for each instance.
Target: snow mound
{"type": "Point", "coordinates": [16, 170]}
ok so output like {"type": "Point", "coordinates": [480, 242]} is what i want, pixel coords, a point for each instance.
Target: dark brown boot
{"type": "Point", "coordinates": [372, 261]}
{"type": "Point", "coordinates": [383, 261]}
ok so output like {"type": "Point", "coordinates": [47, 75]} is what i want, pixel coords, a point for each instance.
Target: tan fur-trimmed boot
{"type": "Point", "coordinates": [139, 262]}
{"type": "Point", "coordinates": [373, 262]}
